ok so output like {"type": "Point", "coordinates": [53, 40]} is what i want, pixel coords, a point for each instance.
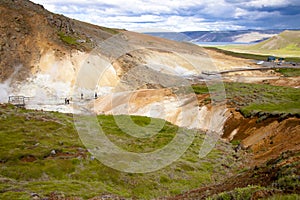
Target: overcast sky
{"type": "Point", "coordinates": [181, 15]}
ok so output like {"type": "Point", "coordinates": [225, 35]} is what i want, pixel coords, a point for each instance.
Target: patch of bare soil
{"type": "Point", "coordinates": [284, 81]}
{"type": "Point", "coordinates": [77, 153]}
{"type": "Point", "coordinates": [57, 196]}
{"type": "Point", "coordinates": [28, 158]}
{"type": "Point", "coordinates": [225, 62]}
{"type": "Point", "coordinates": [263, 77]}
{"type": "Point", "coordinates": [266, 138]}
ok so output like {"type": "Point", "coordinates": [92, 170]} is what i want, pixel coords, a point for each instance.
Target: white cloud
{"type": "Point", "coordinates": [239, 12]}
{"type": "Point", "coordinates": [264, 3]}
{"type": "Point", "coordinates": [173, 15]}
{"type": "Point", "coordinates": [124, 6]}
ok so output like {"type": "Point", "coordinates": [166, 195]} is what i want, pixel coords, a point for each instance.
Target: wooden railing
{"type": "Point", "coordinates": [18, 101]}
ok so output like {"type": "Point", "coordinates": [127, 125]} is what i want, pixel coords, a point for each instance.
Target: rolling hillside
{"type": "Point", "coordinates": [284, 44]}
{"type": "Point", "coordinates": [287, 41]}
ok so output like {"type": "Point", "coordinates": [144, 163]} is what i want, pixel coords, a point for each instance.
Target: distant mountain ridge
{"type": "Point", "coordinates": [237, 36]}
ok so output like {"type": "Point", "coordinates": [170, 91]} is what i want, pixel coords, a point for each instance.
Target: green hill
{"type": "Point", "coordinates": [286, 44]}
{"type": "Point", "coordinates": [285, 41]}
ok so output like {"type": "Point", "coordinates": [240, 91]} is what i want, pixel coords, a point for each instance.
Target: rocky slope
{"type": "Point", "coordinates": [28, 31]}
{"type": "Point", "coordinates": [36, 45]}
{"type": "Point", "coordinates": [48, 57]}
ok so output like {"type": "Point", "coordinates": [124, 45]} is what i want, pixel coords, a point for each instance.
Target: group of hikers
{"type": "Point", "coordinates": [67, 100]}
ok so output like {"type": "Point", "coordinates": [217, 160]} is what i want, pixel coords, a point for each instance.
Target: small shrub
{"type": "Point", "coordinates": [285, 197]}
{"type": "Point", "coordinates": [235, 142]}
{"type": "Point", "coordinates": [67, 39]}
{"type": "Point", "coordinates": [238, 193]}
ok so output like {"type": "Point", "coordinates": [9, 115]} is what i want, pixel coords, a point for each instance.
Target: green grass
{"type": "Point", "coordinates": [68, 39]}
{"type": "Point", "coordinates": [253, 56]}
{"type": "Point", "coordinates": [259, 99]}
{"type": "Point", "coordinates": [246, 193]}
{"type": "Point", "coordinates": [109, 30]}
{"type": "Point", "coordinates": [28, 137]}
{"type": "Point", "coordinates": [27, 165]}
{"type": "Point", "coordinates": [289, 72]}
{"type": "Point", "coordinates": [235, 142]}
{"type": "Point", "coordinates": [284, 183]}
{"type": "Point", "coordinates": [132, 144]}
{"type": "Point", "coordinates": [200, 89]}
{"type": "Point", "coordinates": [239, 193]}
{"type": "Point", "coordinates": [285, 43]}
{"type": "Point", "coordinates": [16, 196]}
{"type": "Point", "coordinates": [253, 99]}
{"type": "Point", "coordinates": [285, 197]}
{"type": "Point", "coordinates": [292, 108]}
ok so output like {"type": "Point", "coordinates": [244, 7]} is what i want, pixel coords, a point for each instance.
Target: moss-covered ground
{"type": "Point", "coordinates": [40, 152]}
{"type": "Point", "coordinates": [258, 99]}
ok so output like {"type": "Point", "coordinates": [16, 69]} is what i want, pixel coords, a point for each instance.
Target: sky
{"type": "Point", "coordinates": [181, 15]}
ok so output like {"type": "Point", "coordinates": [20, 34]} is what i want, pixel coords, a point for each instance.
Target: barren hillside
{"type": "Point", "coordinates": [42, 54]}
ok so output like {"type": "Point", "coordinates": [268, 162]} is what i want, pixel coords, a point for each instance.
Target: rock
{"type": "Point", "coordinates": [81, 41]}
{"type": "Point", "coordinates": [53, 152]}
{"type": "Point", "coordinates": [37, 144]}
{"type": "Point", "coordinates": [57, 196]}
{"type": "Point", "coordinates": [80, 149]}
{"type": "Point", "coordinates": [92, 158]}
{"type": "Point", "coordinates": [35, 196]}
{"type": "Point", "coordinates": [17, 18]}
{"type": "Point", "coordinates": [50, 17]}
{"type": "Point", "coordinates": [262, 194]}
